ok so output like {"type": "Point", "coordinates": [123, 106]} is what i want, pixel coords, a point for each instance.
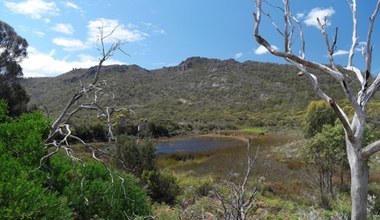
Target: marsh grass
{"type": "Point", "coordinates": [255, 130]}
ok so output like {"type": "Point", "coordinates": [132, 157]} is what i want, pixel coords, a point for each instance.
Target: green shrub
{"type": "Point", "coordinates": [165, 212]}
{"type": "Point", "coordinates": [91, 132]}
{"type": "Point", "coordinates": [22, 192]}
{"type": "Point", "coordinates": [317, 115]}
{"type": "Point", "coordinates": [162, 186]}
{"type": "Point", "coordinates": [204, 187]}
{"type": "Point", "coordinates": [23, 138]}
{"type": "Point", "coordinates": [137, 156]}
{"type": "Point", "coordinates": [91, 192]}
{"type": "Point", "coordinates": [24, 198]}
{"type": "Point", "coordinates": [3, 111]}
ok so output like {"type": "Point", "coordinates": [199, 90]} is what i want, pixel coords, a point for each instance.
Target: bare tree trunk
{"type": "Point", "coordinates": [341, 176]}
{"type": "Point", "coordinates": [331, 185]}
{"type": "Point", "coordinates": [359, 184]}
{"type": "Point", "coordinates": [358, 155]}
{"type": "Point", "coordinates": [322, 191]}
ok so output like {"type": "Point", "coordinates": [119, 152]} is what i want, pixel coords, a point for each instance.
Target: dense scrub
{"type": "Point", "coordinates": [60, 189]}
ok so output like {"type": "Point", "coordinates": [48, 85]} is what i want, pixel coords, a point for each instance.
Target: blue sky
{"type": "Point", "coordinates": [62, 34]}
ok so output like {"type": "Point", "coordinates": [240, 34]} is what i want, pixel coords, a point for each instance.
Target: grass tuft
{"type": "Point", "coordinates": [255, 130]}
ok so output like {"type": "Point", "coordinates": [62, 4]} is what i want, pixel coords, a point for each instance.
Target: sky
{"type": "Point", "coordinates": [62, 34]}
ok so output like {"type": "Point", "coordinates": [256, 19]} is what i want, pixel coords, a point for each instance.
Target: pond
{"type": "Point", "coordinates": [219, 156]}
{"type": "Point", "coordinates": [197, 143]}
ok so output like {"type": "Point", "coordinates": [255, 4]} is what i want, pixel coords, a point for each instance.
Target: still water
{"type": "Point", "coordinates": [197, 143]}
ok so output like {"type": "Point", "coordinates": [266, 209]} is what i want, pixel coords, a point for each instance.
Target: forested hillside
{"type": "Point", "coordinates": [205, 94]}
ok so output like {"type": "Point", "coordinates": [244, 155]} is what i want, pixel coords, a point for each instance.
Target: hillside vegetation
{"type": "Point", "coordinates": [199, 94]}
{"type": "Point", "coordinates": [202, 95]}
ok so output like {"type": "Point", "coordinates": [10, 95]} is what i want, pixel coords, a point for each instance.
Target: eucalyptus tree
{"type": "Point", "coordinates": [292, 32]}
{"type": "Point", "coordinates": [12, 50]}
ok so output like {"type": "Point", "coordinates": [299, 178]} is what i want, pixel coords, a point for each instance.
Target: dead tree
{"type": "Point", "coordinates": [358, 155]}
{"type": "Point", "coordinates": [60, 136]}
{"type": "Point", "coordinates": [241, 198]}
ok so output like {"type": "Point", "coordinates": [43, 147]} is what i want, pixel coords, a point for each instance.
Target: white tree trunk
{"type": "Point", "coordinates": [359, 182]}
{"type": "Point", "coordinates": [358, 155]}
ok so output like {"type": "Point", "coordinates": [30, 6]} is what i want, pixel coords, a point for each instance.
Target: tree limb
{"type": "Point", "coordinates": [303, 64]}
{"type": "Point", "coordinates": [289, 56]}
{"type": "Point", "coordinates": [354, 32]}
{"type": "Point", "coordinates": [369, 38]}
{"type": "Point", "coordinates": [371, 149]}
{"type": "Point", "coordinates": [368, 58]}
{"type": "Point", "coordinates": [338, 111]}
{"type": "Point", "coordinates": [330, 50]}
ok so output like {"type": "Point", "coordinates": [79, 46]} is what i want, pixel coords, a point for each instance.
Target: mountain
{"type": "Point", "coordinates": [198, 91]}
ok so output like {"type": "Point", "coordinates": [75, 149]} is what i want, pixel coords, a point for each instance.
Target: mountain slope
{"type": "Point", "coordinates": [198, 90]}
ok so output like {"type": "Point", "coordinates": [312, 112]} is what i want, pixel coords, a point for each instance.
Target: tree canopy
{"type": "Point", "coordinates": [12, 51]}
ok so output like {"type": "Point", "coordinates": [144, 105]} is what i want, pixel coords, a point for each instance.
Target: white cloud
{"type": "Point", "coordinates": [40, 34]}
{"type": "Point", "coordinates": [321, 14]}
{"type": "Point", "coordinates": [63, 28]}
{"type": "Point", "coordinates": [121, 33]}
{"type": "Point", "coordinates": [238, 55]}
{"type": "Point", "coordinates": [39, 64]}
{"type": "Point", "coordinates": [33, 8]}
{"type": "Point", "coordinates": [72, 5]}
{"type": "Point", "coordinates": [360, 46]}
{"type": "Point", "coordinates": [70, 44]}
{"type": "Point", "coordinates": [262, 50]}
{"type": "Point", "coordinates": [111, 28]}
{"type": "Point", "coordinates": [340, 53]}
{"type": "Point", "coordinates": [300, 15]}
{"type": "Point", "coordinates": [154, 28]}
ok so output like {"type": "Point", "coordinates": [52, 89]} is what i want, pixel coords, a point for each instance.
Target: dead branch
{"type": "Point", "coordinates": [61, 137]}
{"type": "Point", "coordinates": [241, 200]}
{"type": "Point", "coordinates": [330, 50]}
{"type": "Point", "coordinates": [357, 154]}
{"type": "Point", "coordinates": [304, 65]}
{"type": "Point", "coordinates": [60, 132]}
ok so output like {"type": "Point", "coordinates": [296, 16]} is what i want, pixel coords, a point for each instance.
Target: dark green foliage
{"type": "Point", "coordinates": [24, 197]}
{"type": "Point", "coordinates": [91, 132]}
{"type": "Point", "coordinates": [16, 97]}
{"type": "Point", "coordinates": [162, 186]}
{"type": "Point", "coordinates": [22, 194]}
{"type": "Point", "coordinates": [90, 191]}
{"type": "Point", "coordinates": [139, 158]}
{"type": "Point", "coordinates": [13, 49]}
{"type": "Point", "coordinates": [4, 111]}
{"type": "Point", "coordinates": [137, 155]}
{"type": "Point", "coordinates": [158, 128]}
{"type": "Point", "coordinates": [60, 188]}
{"type": "Point", "coordinates": [23, 138]}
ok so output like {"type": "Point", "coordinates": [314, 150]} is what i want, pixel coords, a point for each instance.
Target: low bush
{"type": "Point", "coordinates": [91, 192]}
{"type": "Point", "coordinates": [162, 186]}
{"type": "Point", "coordinates": [22, 191]}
